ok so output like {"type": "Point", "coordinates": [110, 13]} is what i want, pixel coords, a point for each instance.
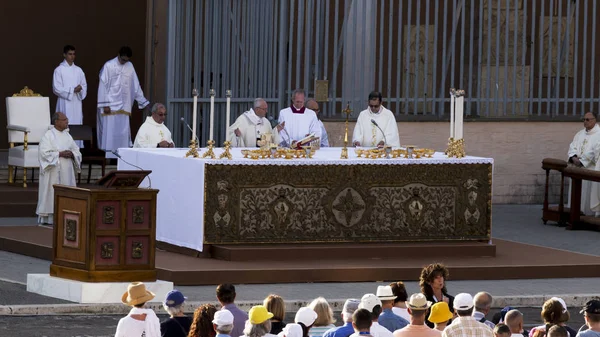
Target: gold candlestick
{"type": "Point", "coordinates": [193, 151]}
{"type": "Point", "coordinates": [226, 154]}
{"type": "Point", "coordinates": [344, 154]}
{"type": "Point", "coordinates": [210, 153]}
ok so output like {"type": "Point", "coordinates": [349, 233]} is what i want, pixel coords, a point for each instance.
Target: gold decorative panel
{"type": "Point", "coordinates": [347, 203]}
{"type": "Point", "coordinates": [136, 250]}
{"type": "Point", "coordinates": [106, 250]}
{"type": "Point", "coordinates": [108, 215]}
{"type": "Point", "coordinates": [138, 214]}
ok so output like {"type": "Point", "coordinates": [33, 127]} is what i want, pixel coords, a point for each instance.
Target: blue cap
{"type": "Point", "coordinates": [174, 298]}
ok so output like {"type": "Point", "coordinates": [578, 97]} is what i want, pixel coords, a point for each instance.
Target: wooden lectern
{"type": "Point", "coordinates": [106, 233]}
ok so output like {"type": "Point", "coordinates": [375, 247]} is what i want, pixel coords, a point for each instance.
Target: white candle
{"type": "Point", "coordinates": [194, 114]}
{"type": "Point", "coordinates": [460, 104]}
{"type": "Point", "coordinates": [452, 102]}
{"type": "Point", "coordinates": [227, 110]}
{"type": "Point", "coordinates": [212, 114]}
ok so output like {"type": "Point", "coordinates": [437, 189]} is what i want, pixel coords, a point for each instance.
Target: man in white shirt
{"type": "Point", "coordinates": [119, 87]}
{"type": "Point", "coordinates": [583, 151]}
{"type": "Point", "coordinates": [367, 134]}
{"type": "Point", "coordinates": [372, 303]}
{"type": "Point", "coordinates": [250, 126]}
{"type": "Point", "coordinates": [514, 320]}
{"type": "Point", "coordinates": [483, 304]}
{"type": "Point", "coordinates": [154, 132]}
{"type": "Point", "coordinates": [296, 122]}
{"type": "Point", "coordinates": [59, 159]}
{"type": "Point", "coordinates": [314, 106]}
{"type": "Point", "coordinates": [69, 84]}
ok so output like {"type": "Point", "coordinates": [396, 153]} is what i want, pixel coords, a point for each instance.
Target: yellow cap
{"type": "Point", "coordinates": [259, 314]}
{"type": "Point", "coordinates": [440, 313]}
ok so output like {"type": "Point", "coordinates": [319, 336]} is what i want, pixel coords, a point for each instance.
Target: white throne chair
{"type": "Point", "coordinates": [28, 118]}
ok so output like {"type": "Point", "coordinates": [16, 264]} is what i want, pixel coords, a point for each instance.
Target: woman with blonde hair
{"type": "Point", "coordinates": [554, 312]}
{"type": "Point", "coordinates": [324, 319]}
{"type": "Point", "coordinates": [202, 325]}
{"type": "Point", "coordinates": [276, 306]}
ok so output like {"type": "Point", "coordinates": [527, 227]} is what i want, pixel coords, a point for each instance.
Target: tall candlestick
{"type": "Point", "coordinates": [212, 113]}
{"type": "Point", "coordinates": [194, 113]}
{"type": "Point", "coordinates": [460, 104]}
{"type": "Point", "coordinates": [452, 102]}
{"type": "Point", "coordinates": [227, 109]}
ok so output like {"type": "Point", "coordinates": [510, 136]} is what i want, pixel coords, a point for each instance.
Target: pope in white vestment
{"type": "Point", "coordinates": [59, 159]}
{"type": "Point", "coordinates": [119, 87]}
{"type": "Point", "coordinates": [69, 84]}
{"type": "Point", "coordinates": [249, 127]}
{"type": "Point", "coordinates": [584, 152]}
{"type": "Point", "coordinates": [367, 134]}
{"type": "Point", "coordinates": [154, 132]}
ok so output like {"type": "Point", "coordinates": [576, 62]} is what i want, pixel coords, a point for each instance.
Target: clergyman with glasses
{"type": "Point", "coordinates": [249, 128]}
{"type": "Point", "coordinates": [381, 133]}
{"type": "Point", "coordinates": [583, 152]}
{"type": "Point", "coordinates": [154, 132]}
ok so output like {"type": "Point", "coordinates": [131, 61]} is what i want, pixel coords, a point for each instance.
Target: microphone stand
{"type": "Point", "coordinates": [386, 148]}
{"type": "Point", "coordinates": [193, 151]}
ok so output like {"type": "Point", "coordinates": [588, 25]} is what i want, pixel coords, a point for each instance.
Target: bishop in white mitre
{"type": "Point", "coordinates": [296, 121]}
{"type": "Point", "coordinates": [154, 132]}
{"type": "Point", "coordinates": [119, 87]}
{"type": "Point", "coordinates": [69, 84]}
{"type": "Point", "coordinates": [249, 128]}
{"type": "Point", "coordinates": [368, 134]}
{"type": "Point", "coordinates": [59, 159]}
{"type": "Point", "coordinates": [584, 152]}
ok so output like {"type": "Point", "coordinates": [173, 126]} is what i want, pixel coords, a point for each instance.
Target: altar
{"type": "Point", "coordinates": [319, 199]}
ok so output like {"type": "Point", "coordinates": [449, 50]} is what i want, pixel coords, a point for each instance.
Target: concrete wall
{"type": "Point", "coordinates": [517, 148]}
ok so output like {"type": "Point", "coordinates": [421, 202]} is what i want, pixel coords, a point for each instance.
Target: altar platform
{"type": "Point", "coordinates": [323, 199]}
{"type": "Point", "coordinates": [512, 260]}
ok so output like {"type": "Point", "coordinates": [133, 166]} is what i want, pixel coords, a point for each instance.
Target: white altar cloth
{"type": "Point", "coordinates": [180, 181]}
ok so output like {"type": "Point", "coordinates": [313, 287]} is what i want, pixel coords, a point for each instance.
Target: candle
{"type": "Point", "coordinates": [227, 109]}
{"type": "Point", "coordinates": [460, 103]}
{"type": "Point", "coordinates": [212, 113]}
{"type": "Point", "coordinates": [194, 113]}
{"type": "Point", "coordinates": [452, 102]}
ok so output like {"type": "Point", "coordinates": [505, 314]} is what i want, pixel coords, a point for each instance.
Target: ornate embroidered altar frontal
{"type": "Point", "coordinates": [347, 203]}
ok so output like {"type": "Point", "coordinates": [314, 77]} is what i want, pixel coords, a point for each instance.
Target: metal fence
{"type": "Point", "coordinates": [514, 58]}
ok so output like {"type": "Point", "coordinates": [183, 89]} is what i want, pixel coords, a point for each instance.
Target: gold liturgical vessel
{"type": "Point", "coordinates": [344, 154]}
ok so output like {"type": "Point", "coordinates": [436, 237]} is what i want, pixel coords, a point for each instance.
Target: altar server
{"type": "Point", "coordinates": [314, 106]}
{"type": "Point", "coordinates": [368, 134]}
{"type": "Point", "coordinates": [119, 87]}
{"type": "Point", "coordinates": [296, 122]}
{"type": "Point", "coordinates": [249, 127]}
{"type": "Point", "coordinates": [154, 132]}
{"type": "Point", "coordinates": [69, 84]}
{"type": "Point", "coordinates": [583, 152]}
{"type": "Point", "coordinates": [59, 159]}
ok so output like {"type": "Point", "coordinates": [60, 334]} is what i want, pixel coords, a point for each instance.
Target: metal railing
{"type": "Point", "coordinates": [515, 58]}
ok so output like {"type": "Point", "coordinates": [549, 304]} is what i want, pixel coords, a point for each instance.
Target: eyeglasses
{"type": "Point", "coordinates": [162, 115]}
{"type": "Point", "coordinates": [588, 119]}
{"type": "Point", "coordinates": [261, 108]}
{"type": "Point", "coordinates": [374, 106]}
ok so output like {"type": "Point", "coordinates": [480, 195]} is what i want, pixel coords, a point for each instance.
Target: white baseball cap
{"type": "Point", "coordinates": [306, 316]}
{"type": "Point", "coordinates": [369, 301]}
{"type": "Point", "coordinates": [463, 301]}
{"type": "Point", "coordinates": [223, 317]}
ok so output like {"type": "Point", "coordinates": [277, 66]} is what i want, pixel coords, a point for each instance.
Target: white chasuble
{"type": "Point", "coordinates": [298, 124]}
{"type": "Point", "coordinates": [368, 135]}
{"type": "Point", "coordinates": [586, 145]}
{"type": "Point", "coordinates": [152, 133]}
{"type": "Point", "coordinates": [251, 127]}
{"type": "Point", "coordinates": [118, 88]}
{"type": "Point", "coordinates": [55, 170]}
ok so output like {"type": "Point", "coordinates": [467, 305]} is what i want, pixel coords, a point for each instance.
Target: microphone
{"type": "Point", "coordinates": [191, 130]}
{"type": "Point", "coordinates": [383, 133]}
{"type": "Point", "coordinates": [130, 164]}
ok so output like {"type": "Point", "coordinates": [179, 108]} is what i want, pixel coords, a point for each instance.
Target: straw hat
{"type": "Point", "coordinates": [136, 294]}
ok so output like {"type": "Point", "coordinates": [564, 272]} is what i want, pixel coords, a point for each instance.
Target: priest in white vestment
{"type": "Point", "coordinates": [154, 132]}
{"type": "Point", "coordinates": [69, 84]}
{"type": "Point", "coordinates": [59, 159]}
{"type": "Point", "coordinates": [250, 126]}
{"type": "Point", "coordinates": [314, 106]}
{"type": "Point", "coordinates": [119, 87]}
{"type": "Point", "coordinates": [584, 152]}
{"type": "Point", "coordinates": [297, 122]}
{"type": "Point", "coordinates": [368, 134]}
